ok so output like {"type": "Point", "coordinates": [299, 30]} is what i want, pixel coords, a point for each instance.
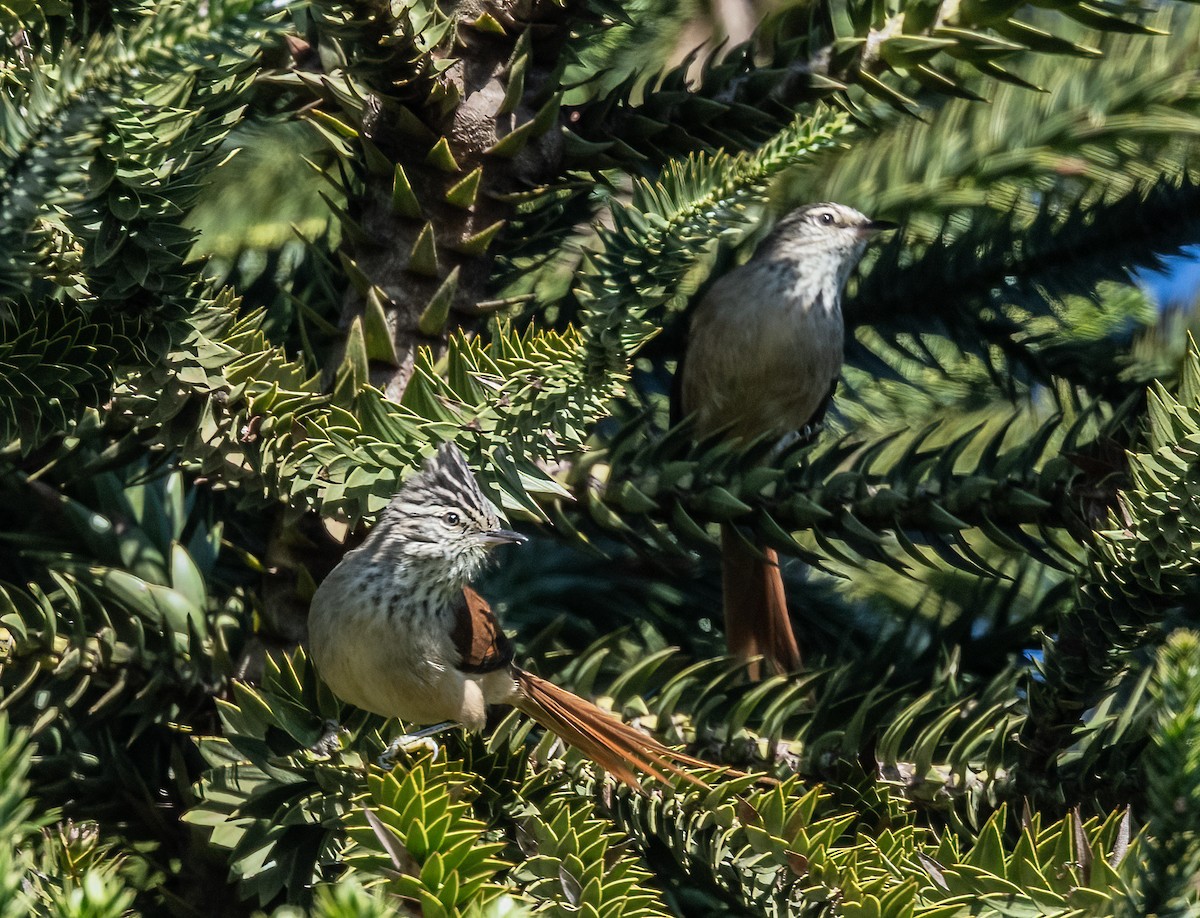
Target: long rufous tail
{"type": "Point", "coordinates": [756, 613]}
{"type": "Point", "coordinates": [616, 747]}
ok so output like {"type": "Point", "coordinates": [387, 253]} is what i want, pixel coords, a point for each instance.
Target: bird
{"type": "Point", "coordinates": [762, 359]}
{"type": "Point", "coordinates": [396, 629]}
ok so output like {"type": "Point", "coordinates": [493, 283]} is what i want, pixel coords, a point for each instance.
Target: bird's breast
{"type": "Point", "coordinates": [763, 353]}
{"type": "Point", "coordinates": [380, 643]}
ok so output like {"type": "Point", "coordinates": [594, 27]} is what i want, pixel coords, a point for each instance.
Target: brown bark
{"type": "Point", "coordinates": [383, 247]}
{"type": "Point", "coordinates": [480, 77]}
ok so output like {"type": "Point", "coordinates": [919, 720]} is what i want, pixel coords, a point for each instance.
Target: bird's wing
{"type": "Point", "coordinates": [477, 636]}
{"type": "Point", "coordinates": [823, 408]}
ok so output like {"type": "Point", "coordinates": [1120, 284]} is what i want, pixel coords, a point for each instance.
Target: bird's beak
{"type": "Point", "coordinates": [502, 537]}
{"type": "Point", "coordinates": [871, 227]}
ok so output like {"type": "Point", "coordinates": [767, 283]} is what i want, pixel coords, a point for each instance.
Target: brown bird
{"type": "Point", "coordinates": [762, 359]}
{"type": "Point", "coordinates": [396, 630]}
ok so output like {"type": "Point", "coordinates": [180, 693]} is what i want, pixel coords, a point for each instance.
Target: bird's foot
{"type": "Point", "coordinates": [787, 754]}
{"type": "Point", "coordinates": [417, 739]}
{"type": "Point", "coordinates": [330, 740]}
{"type": "Point", "coordinates": [387, 758]}
{"type": "Point", "coordinates": [809, 432]}
{"type": "Point", "coordinates": [797, 439]}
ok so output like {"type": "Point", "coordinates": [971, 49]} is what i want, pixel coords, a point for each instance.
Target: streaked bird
{"type": "Point", "coordinates": [396, 629]}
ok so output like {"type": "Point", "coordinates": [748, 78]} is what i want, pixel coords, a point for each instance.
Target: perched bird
{"type": "Point", "coordinates": [395, 629]}
{"type": "Point", "coordinates": [763, 356]}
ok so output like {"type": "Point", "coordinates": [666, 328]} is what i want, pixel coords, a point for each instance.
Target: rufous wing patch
{"type": "Point", "coordinates": [477, 636]}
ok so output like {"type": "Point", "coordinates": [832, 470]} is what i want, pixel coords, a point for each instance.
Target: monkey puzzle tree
{"type": "Point", "coordinates": [255, 261]}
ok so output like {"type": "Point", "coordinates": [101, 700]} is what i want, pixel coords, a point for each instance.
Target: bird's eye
{"type": "Point", "coordinates": [450, 519]}
{"type": "Point", "coordinates": [826, 218]}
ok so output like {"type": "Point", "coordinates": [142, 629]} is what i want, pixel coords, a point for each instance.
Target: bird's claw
{"type": "Point", "coordinates": [330, 740]}
{"type": "Point", "coordinates": [809, 432]}
{"type": "Point", "coordinates": [387, 758]}
{"type": "Point", "coordinates": [798, 439]}
{"type": "Point", "coordinates": [422, 738]}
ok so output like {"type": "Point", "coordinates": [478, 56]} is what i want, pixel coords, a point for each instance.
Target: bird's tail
{"type": "Point", "coordinates": [756, 613]}
{"type": "Point", "coordinates": [616, 747]}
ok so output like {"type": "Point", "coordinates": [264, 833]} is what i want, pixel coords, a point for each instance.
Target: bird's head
{"type": "Point", "coordinates": [441, 520]}
{"type": "Point", "coordinates": [827, 232]}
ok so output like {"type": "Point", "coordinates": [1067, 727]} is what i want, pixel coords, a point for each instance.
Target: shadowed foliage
{"type": "Point", "coordinates": [257, 260]}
